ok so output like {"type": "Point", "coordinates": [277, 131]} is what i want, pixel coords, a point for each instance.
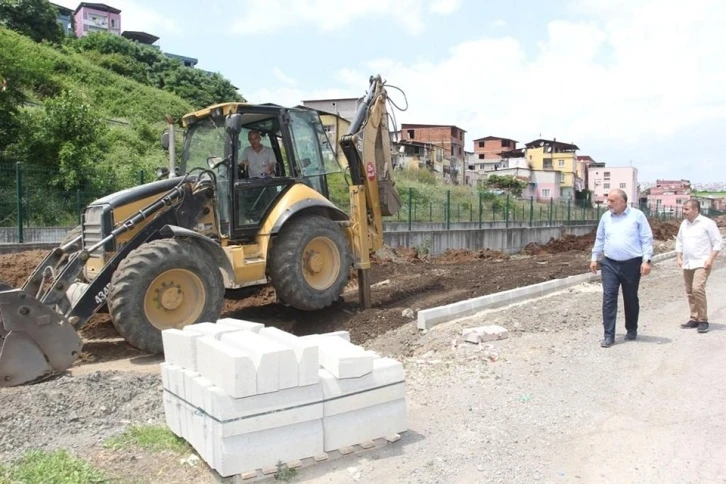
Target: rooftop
{"type": "Point", "coordinates": [485, 138]}
{"type": "Point", "coordinates": [141, 37]}
{"type": "Point", "coordinates": [557, 144]}
{"type": "Point", "coordinates": [97, 6]}
{"type": "Point", "coordinates": [407, 125]}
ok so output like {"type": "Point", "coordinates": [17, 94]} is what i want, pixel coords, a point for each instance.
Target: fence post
{"type": "Point", "coordinates": [19, 193]}
{"type": "Point", "coordinates": [141, 177]}
{"type": "Point", "coordinates": [598, 211]}
{"type": "Point", "coordinates": [448, 209]}
{"type": "Point", "coordinates": [458, 212]}
{"type": "Point", "coordinates": [552, 206]}
{"type": "Point", "coordinates": [410, 202]}
{"type": "Point", "coordinates": [480, 208]}
{"type": "Point", "coordinates": [79, 206]}
{"type": "Point", "coordinates": [531, 210]}
{"type": "Point", "coordinates": [27, 207]}
{"type": "Point", "coordinates": [506, 214]}
{"type": "Point", "coordinates": [568, 211]}
{"type": "Point", "coordinates": [431, 212]}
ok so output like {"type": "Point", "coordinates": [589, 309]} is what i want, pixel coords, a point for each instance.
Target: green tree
{"type": "Point", "coordinates": [34, 18]}
{"type": "Point", "coordinates": [506, 182]}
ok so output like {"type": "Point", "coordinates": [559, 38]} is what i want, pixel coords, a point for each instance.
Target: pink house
{"type": "Point", "coordinates": [96, 17]}
{"type": "Point", "coordinates": [546, 184]}
{"type": "Point", "coordinates": [669, 195]}
{"type": "Point", "coordinates": [602, 179]}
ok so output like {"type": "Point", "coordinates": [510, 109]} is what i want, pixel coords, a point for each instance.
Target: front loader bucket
{"type": "Point", "coordinates": [37, 342]}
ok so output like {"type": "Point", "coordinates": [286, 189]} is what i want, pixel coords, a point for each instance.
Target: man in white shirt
{"type": "Point", "coordinates": [258, 159]}
{"type": "Point", "coordinates": [698, 243]}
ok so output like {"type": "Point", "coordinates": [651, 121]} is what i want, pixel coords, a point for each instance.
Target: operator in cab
{"type": "Point", "coordinates": [257, 159]}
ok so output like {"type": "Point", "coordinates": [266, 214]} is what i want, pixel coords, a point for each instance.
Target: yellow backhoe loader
{"type": "Point", "coordinates": [164, 254]}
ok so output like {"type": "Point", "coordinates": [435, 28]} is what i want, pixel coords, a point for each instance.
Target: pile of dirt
{"type": "Point", "coordinates": [664, 229]}
{"type": "Point", "coordinates": [388, 255]}
{"type": "Point", "coordinates": [581, 243]}
{"type": "Point", "coordinates": [15, 268]}
{"type": "Point", "coordinates": [463, 255]}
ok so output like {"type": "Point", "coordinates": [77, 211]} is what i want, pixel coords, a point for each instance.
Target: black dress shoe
{"type": "Point", "coordinates": [631, 335]}
{"type": "Point", "coordinates": [690, 325]}
{"type": "Point", "coordinates": [703, 327]}
{"type": "Point", "coordinates": [607, 342]}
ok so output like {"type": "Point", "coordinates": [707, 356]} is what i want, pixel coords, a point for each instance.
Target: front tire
{"type": "Point", "coordinates": [167, 283]}
{"type": "Point", "coordinates": [309, 263]}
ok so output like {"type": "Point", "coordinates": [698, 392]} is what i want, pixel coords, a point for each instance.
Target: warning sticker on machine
{"type": "Point", "coordinates": [371, 170]}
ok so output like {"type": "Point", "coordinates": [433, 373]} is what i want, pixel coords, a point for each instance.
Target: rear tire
{"type": "Point", "coordinates": [309, 263]}
{"type": "Point", "coordinates": [168, 283]}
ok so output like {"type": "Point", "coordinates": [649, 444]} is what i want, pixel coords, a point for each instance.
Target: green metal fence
{"type": "Point", "coordinates": [32, 197]}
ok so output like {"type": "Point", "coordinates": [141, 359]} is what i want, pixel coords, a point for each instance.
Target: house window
{"type": "Point", "coordinates": [459, 149]}
{"type": "Point", "coordinates": [606, 186]}
{"type": "Point", "coordinates": [545, 192]}
{"type": "Point", "coordinates": [622, 186]}
{"type": "Point", "coordinates": [505, 143]}
{"type": "Point", "coordinates": [606, 175]}
{"type": "Point", "coordinates": [481, 144]}
{"type": "Point", "coordinates": [411, 133]}
{"type": "Point", "coordinates": [113, 23]}
{"type": "Point", "coordinates": [679, 201]}
{"type": "Point", "coordinates": [481, 156]}
{"type": "Point", "coordinates": [561, 163]}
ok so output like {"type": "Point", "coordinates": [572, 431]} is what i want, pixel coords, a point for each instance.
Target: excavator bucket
{"type": "Point", "coordinates": [37, 342]}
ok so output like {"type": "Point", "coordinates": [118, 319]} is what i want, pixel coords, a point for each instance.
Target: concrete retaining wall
{"type": "Point", "coordinates": [33, 235]}
{"type": "Point", "coordinates": [429, 318]}
{"type": "Point", "coordinates": [510, 240]}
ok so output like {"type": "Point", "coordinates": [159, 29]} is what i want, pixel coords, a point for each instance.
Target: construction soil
{"type": "Point", "coordinates": [404, 281]}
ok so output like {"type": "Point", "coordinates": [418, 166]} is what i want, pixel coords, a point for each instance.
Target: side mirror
{"type": "Point", "coordinates": [165, 140]}
{"type": "Point", "coordinates": [233, 123]}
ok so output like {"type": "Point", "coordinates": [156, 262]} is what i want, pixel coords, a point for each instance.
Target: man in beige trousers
{"type": "Point", "coordinates": [697, 245]}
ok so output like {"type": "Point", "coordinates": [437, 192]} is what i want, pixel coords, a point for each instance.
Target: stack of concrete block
{"type": "Point", "coordinates": [247, 396]}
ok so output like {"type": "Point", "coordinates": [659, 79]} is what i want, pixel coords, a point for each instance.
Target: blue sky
{"type": "Point", "coordinates": [641, 81]}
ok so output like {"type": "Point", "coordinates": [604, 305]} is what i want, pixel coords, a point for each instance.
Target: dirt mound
{"type": "Point", "coordinates": [463, 255]}
{"type": "Point", "coordinates": [15, 268]}
{"type": "Point", "coordinates": [664, 229]}
{"type": "Point", "coordinates": [387, 255]}
{"type": "Point", "coordinates": [569, 242]}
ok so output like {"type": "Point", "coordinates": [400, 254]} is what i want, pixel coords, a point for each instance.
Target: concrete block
{"type": "Point", "coordinates": [333, 334]}
{"type": "Point", "coordinates": [256, 450]}
{"type": "Point", "coordinates": [224, 408]}
{"type": "Point", "coordinates": [365, 399]}
{"type": "Point", "coordinates": [241, 324]}
{"type": "Point", "coordinates": [227, 367]}
{"type": "Point", "coordinates": [344, 429]}
{"type": "Point", "coordinates": [484, 333]}
{"type": "Point", "coordinates": [306, 352]}
{"type": "Point", "coordinates": [344, 359]}
{"type": "Point", "coordinates": [172, 413]}
{"type": "Point", "coordinates": [210, 329]}
{"type": "Point", "coordinates": [180, 348]}
{"type": "Point", "coordinates": [276, 364]}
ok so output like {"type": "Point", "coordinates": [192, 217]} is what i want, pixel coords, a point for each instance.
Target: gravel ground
{"type": "Point", "coordinates": [76, 413]}
{"type": "Point", "coordinates": [549, 405]}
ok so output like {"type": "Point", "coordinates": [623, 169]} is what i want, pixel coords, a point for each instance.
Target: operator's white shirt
{"type": "Point", "coordinates": [258, 162]}
{"type": "Point", "coordinates": [697, 241]}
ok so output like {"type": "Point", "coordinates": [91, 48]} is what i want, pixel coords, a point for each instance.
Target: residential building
{"type": "Point", "coordinates": [414, 155]}
{"type": "Point", "coordinates": [343, 107]}
{"type": "Point", "coordinates": [545, 185]}
{"type": "Point", "coordinates": [710, 203]}
{"type": "Point", "coordinates": [64, 18]}
{"type": "Point", "coordinates": [186, 61]}
{"type": "Point", "coordinates": [603, 179]}
{"type": "Point", "coordinates": [449, 137]}
{"type": "Point", "coordinates": [334, 126]}
{"type": "Point", "coordinates": [96, 17]}
{"type": "Point", "coordinates": [543, 154]}
{"type": "Point", "coordinates": [669, 195]}
{"type": "Point", "coordinates": [141, 37]}
{"type": "Point", "coordinates": [490, 147]}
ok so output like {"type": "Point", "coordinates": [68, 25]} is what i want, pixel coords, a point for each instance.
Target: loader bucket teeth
{"type": "Point", "coordinates": [37, 341]}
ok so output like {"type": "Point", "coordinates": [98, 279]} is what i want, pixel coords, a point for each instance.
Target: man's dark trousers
{"type": "Point", "coordinates": [614, 275]}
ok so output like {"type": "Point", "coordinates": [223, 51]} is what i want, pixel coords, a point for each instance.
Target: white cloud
{"type": "Point", "coordinates": [282, 77]}
{"type": "Point", "coordinates": [136, 15]}
{"type": "Point", "coordinates": [273, 16]}
{"type": "Point", "coordinates": [445, 7]}
{"type": "Point", "coordinates": [628, 81]}
{"type": "Point", "coordinates": [499, 23]}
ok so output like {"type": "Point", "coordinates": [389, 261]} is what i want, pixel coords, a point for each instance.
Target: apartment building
{"type": "Point", "coordinates": [602, 179]}
{"type": "Point", "coordinates": [543, 154]}
{"type": "Point", "coordinates": [346, 107]}
{"type": "Point", "coordinates": [490, 147]}
{"type": "Point", "coordinates": [669, 195]}
{"type": "Point", "coordinates": [96, 17]}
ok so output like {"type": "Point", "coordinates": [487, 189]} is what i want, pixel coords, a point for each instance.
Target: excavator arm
{"type": "Point", "coordinates": [373, 195]}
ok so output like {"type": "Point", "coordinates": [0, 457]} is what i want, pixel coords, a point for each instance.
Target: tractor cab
{"type": "Point", "coordinates": [257, 153]}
